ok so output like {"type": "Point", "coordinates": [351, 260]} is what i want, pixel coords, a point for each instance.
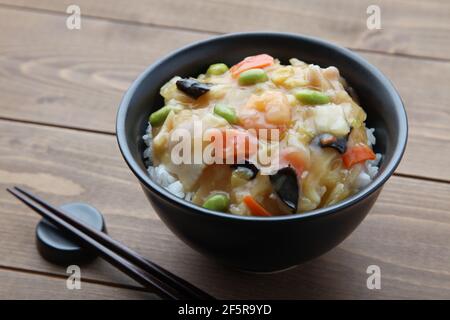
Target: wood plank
{"type": "Point", "coordinates": [406, 233]}
{"type": "Point", "coordinates": [73, 78]}
{"type": "Point", "coordinates": [22, 285]}
{"type": "Point", "coordinates": [77, 78]}
{"type": "Point", "coordinates": [408, 27]}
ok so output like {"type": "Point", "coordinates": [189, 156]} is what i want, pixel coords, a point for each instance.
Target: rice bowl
{"type": "Point", "coordinates": [249, 242]}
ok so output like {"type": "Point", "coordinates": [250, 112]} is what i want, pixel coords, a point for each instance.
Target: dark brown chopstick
{"type": "Point", "coordinates": [164, 282]}
{"type": "Point", "coordinates": [104, 252]}
{"type": "Point", "coordinates": [153, 269]}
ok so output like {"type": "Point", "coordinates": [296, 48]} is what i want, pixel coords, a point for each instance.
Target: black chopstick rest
{"type": "Point", "coordinates": [58, 247]}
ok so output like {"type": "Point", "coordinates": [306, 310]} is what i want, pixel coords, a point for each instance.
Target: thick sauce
{"type": "Point", "coordinates": [324, 174]}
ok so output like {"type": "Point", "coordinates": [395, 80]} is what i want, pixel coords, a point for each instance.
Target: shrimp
{"type": "Point", "coordinates": [271, 110]}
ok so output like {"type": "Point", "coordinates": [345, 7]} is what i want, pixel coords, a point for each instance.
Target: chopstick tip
{"type": "Point", "coordinates": [13, 192]}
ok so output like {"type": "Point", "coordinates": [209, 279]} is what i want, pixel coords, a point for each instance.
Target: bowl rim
{"type": "Point", "coordinates": [372, 187]}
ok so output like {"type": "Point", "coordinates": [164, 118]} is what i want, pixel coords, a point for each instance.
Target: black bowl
{"type": "Point", "coordinates": [263, 244]}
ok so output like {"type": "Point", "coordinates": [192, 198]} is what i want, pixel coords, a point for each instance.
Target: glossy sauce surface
{"type": "Point", "coordinates": [283, 102]}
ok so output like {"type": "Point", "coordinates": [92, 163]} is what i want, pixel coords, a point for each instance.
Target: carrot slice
{"type": "Point", "coordinates": [237, 144]}
{"type": "Point", "coordinates": [255, 208]}
{"type": "Point", "coordinates": [357, 154]}
{"type": "Point", "coordinates": [252, 62]}
{"type": "Point", "coordinates": [296, 160]}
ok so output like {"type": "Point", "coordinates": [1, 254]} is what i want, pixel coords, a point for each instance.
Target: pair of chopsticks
{"type": "Point", "coordinates": [150, 275]}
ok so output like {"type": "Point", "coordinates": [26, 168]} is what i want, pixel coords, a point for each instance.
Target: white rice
{"type": "Point", "coordinates": [161, 176]}
{"type": "Point", "coordinates": [159, 173]}
{"type": "Point", "coordinates": [371, 166]}
{"type": "Point", "coordinates": [147, 137]}
{"type": "Point", "coordinates": [371, 140]}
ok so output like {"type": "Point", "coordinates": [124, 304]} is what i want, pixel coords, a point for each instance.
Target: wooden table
{"type": "Point", "coordinates": [59, 92]}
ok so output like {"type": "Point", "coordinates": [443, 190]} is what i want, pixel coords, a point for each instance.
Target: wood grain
{"type": "Point", "coordinates": [407, 27]}
{"type": "Point", "coordinates": [72, 78]}
{"type": "Point", "coordinates": [53, 76]}
{"type": "Point", "coordinates": [406, 234]}
{"type": "Point", "coordinates": [22, 285]}
{"type": "Point", "coordinates": [77, 78]}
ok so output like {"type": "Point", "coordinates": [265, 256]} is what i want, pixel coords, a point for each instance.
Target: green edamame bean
{"type": "Point", "coordinates": [217, 69]}
{"type": "Point", "coordinates": [307, 96]}
{"type": "Point", "coordinates": [252, 76]}
{"type": "Point", "coordinates": [226, 112]}
{"type": "Point", "coordinates": [158, 117]}
{"type": "Point", "coordinates": [217, 202]}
